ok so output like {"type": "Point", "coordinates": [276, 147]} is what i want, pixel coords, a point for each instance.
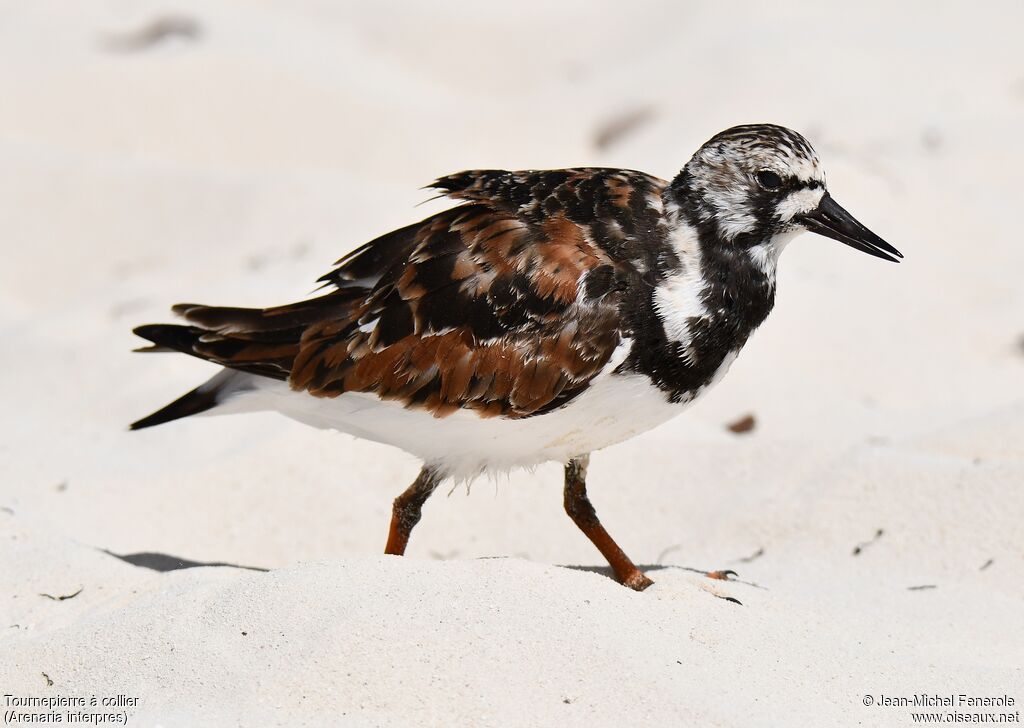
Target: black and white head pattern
{"type": "Point", "coordinates": [749, 182]}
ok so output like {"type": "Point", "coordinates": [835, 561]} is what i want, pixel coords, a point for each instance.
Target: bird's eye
{"type": "Point", "coordinates": [769, 180]}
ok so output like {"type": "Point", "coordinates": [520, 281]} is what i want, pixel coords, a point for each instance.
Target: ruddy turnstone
{"type": "Point", "coordinates": [547, 315]}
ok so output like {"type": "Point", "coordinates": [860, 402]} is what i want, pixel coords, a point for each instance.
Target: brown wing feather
{"type": "Point", "coordinates": [507, 304]}
{"type": "Point", "coordinates": [485, 314]}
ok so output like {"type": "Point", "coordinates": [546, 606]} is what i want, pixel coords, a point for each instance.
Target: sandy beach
{"type": "Point", "coordinates": [228, 570]}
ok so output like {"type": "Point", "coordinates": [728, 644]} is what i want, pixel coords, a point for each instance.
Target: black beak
{"type": "Point", "coordinates": [832, 221]}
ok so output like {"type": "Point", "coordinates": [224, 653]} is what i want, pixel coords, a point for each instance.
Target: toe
{"type": "Point", "coordinates": [721, 575]}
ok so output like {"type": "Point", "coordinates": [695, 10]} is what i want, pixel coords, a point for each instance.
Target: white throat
{"type": "Point", "coordinates": [765, 256]}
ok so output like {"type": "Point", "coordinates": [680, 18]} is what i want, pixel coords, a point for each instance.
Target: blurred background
{"type": "Point", "coordinates": [227, 151]}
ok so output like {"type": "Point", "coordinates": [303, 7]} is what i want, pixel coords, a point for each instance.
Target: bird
{"type": "Point", "coordinates": [546, 315]}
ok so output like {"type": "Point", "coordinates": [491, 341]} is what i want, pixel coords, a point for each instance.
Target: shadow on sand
{"type": "Point", "coordinates": [166, 562]}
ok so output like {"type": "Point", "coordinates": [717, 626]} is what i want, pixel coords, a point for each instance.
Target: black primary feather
{"type": "Point", "coordinates": [192, 403]}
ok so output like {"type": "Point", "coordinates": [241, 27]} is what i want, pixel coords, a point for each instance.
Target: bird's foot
{"type": "Point", "coordinates": [721, 575]}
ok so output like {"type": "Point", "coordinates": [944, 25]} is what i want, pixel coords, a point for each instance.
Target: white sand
{"type": "Point", "coordinates": [233, 168]}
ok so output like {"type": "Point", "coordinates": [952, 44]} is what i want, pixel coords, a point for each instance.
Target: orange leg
{"type": "Point", "coordinates": [407, 508]}
{"type": "Point", "coordinates": [582, 512]}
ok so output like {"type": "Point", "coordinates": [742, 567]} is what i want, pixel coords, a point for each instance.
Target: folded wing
{"type": "Point", "coordinates": [505, 304]}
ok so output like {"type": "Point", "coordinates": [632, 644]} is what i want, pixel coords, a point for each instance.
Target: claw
{"type": "Point", "coordinates": [721, 575]}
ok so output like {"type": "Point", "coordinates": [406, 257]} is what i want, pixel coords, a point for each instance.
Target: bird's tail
{"type": "Point", "coordinates": [251, 343]}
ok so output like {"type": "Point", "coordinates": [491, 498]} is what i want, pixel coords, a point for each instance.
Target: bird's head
{"type": "Point", "coordinates": [755, 186]}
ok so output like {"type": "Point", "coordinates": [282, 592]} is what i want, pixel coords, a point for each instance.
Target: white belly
{"type": "Point", "coordinates": [613, 409]}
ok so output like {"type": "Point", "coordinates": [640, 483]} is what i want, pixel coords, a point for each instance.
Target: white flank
{"type": "Point", "coordinates": [613, 409]}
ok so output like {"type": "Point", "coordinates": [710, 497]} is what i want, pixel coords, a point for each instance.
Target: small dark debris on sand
{"type": "Point", "coordinates": [734, 600]}
{"type": "Point", "coordinates": [921, 587]}
{"type": "Point", "coordinates": [615, 129]}
{"type": "Point", "coordinates": [932, 140]}
{"type": "Point", "coordinates": [49, 682]}
{"type": "Point", "coordinates": [743, 425]}
{"type": "Point", "coordinates": [864, 544]}
{"type": "Point", "coordinates": [64, 597]}
{"type": "Point", "coordinates": [754, 556]}
{"type": "Point", "coordinates": [152, 33]}
{"type": "Point", "coordinates": [987, 564]}
{"type": "Point", "coordinates": [449, 555]}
